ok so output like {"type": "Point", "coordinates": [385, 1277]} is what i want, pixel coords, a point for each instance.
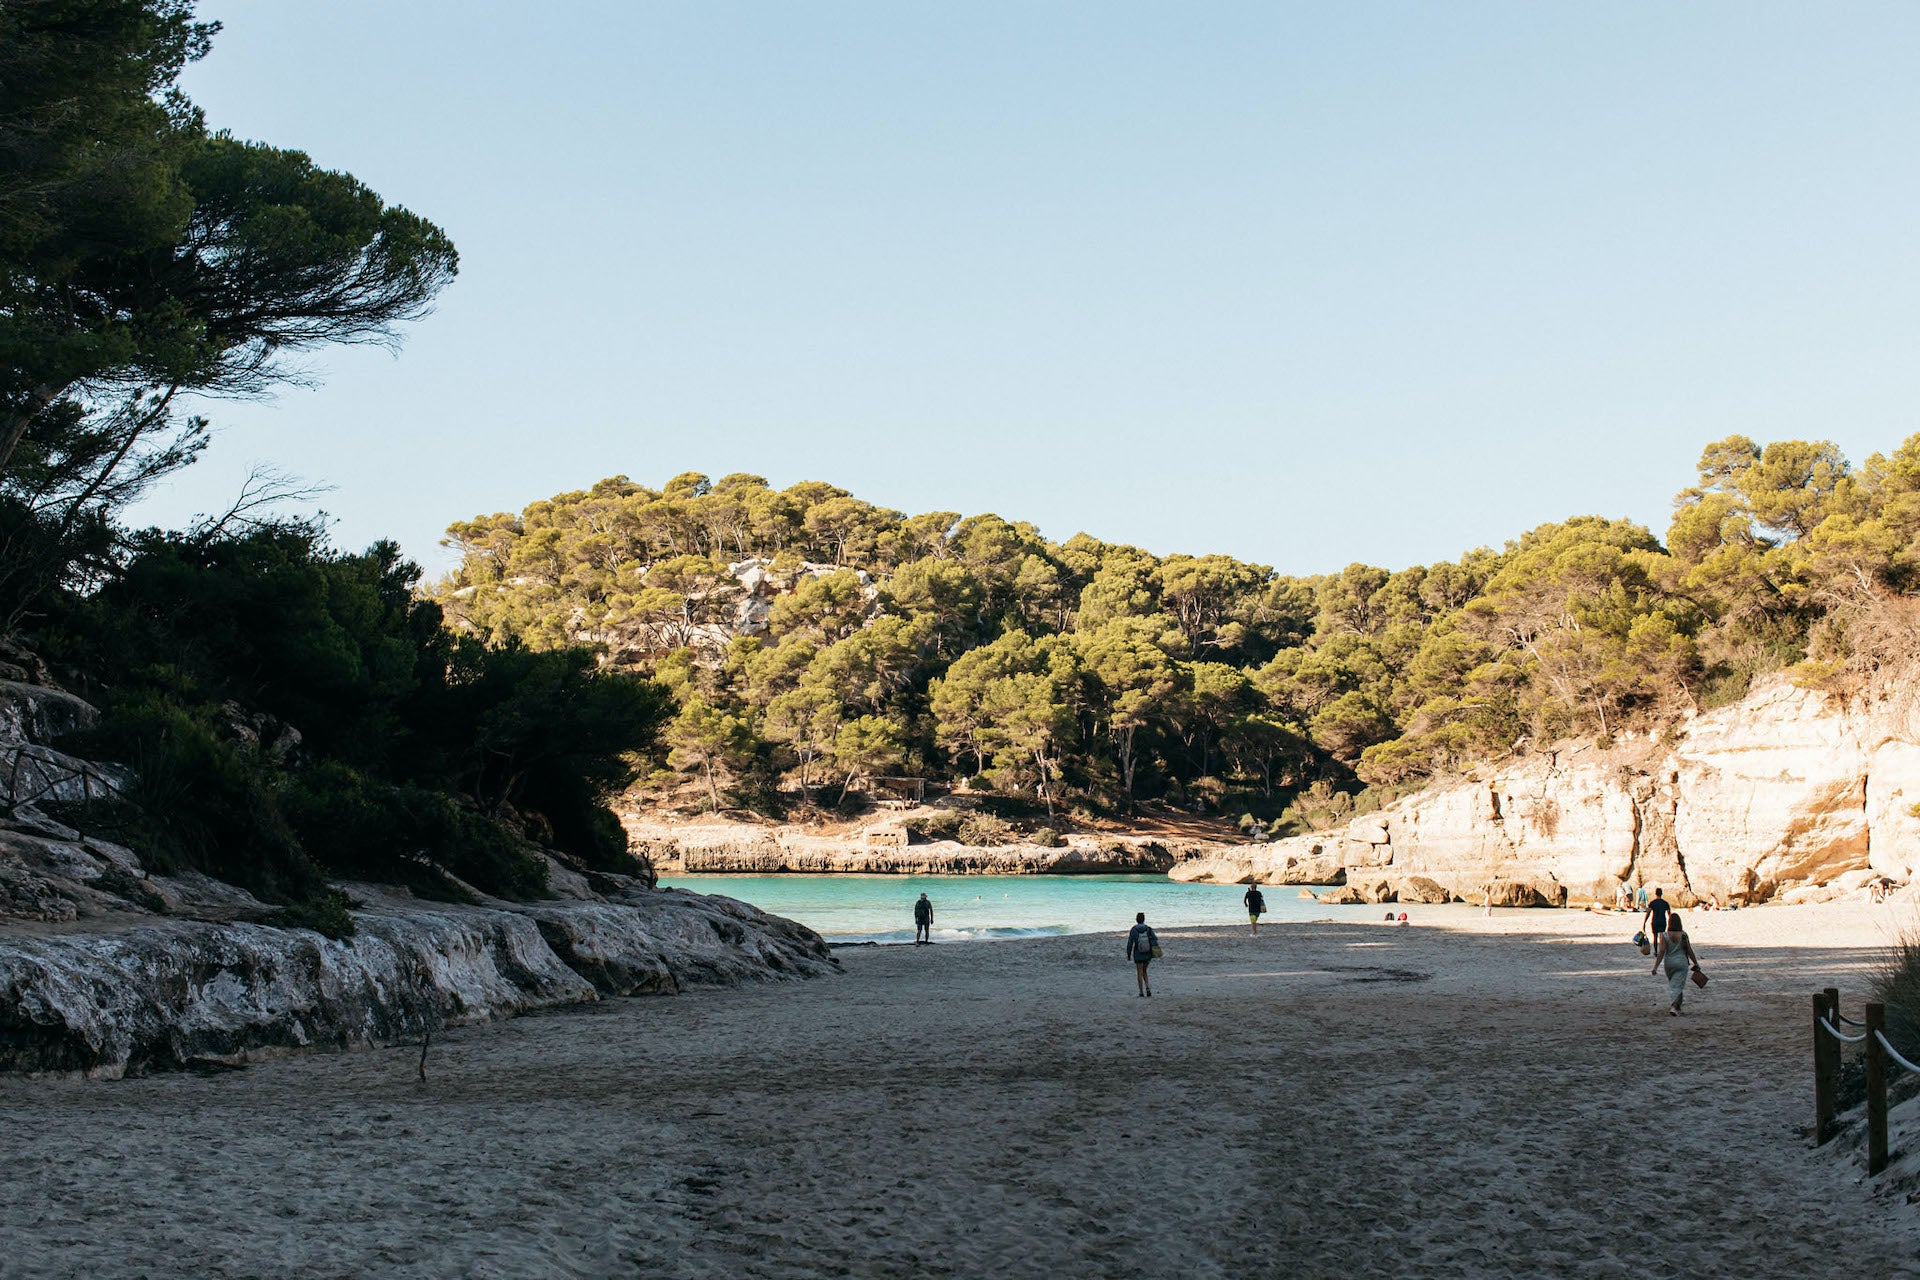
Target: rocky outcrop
{"type": "Point", "coordinates": [739, 848]}
{"type": "Point", "coordinates": [33, 772]}
{"type": "Point", "coordinates": [1787, 790]}
{"type": "Point", "coordinates": [170, 993]}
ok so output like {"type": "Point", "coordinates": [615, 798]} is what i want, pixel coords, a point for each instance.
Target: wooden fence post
{"type": "Point", "coordinates": [1823, 1073]}
{"type": "Point", "coordinates": [1876, 1090]}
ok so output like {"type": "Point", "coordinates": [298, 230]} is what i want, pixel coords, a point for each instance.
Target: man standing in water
{"type": "Point", "coordinates": [1141, 944]}
{"type": "Point", "coordinates": [1256, 906]}
{"type": "Point", "coordinates": [922, 921]}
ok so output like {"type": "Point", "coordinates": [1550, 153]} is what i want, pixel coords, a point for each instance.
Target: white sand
{"type": "Point", "coordinates": [982, 1110]}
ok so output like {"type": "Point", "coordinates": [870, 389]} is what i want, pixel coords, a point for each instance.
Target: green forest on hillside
{"type": "Point", "coordinates": [1093, 674]}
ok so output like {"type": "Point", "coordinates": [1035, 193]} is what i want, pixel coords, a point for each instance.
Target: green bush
{"type": "Point", "coordinates": [1048, 838]}
{"type": "Point", "coordinates": [967, 828]}
{"type": "Point", "coordinates": [327, 914]}
{"type": "Point", "coordinates": [360, 828]}
{"type": "Point", "coordinates": [198, 800]}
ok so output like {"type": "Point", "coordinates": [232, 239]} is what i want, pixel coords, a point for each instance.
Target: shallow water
{"type": "Point", "coordinates": [857, 908]}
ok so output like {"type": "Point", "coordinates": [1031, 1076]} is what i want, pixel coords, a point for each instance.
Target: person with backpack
{"type": "Point", "coordinates": [1143, 944]}
{"type": "Point", "coordinates": [1256, 906]}
{"type": "Point", "coordinates": [922, 921]}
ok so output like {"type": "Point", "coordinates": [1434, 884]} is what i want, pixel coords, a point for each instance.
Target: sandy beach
{"type": "Point", "coordinates": [1463, 1097]}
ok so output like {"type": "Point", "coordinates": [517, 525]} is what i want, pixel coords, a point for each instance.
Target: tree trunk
{"type": "Point", "coordinates": [1046, 791]}
{"type": "Point", "coordinates": [713, 792]}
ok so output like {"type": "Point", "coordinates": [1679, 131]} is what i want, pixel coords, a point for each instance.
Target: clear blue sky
{"type": "Point", "coordinates": [1303, 283]}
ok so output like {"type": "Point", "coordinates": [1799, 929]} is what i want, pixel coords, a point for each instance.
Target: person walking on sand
{"type": "Point", "coordinates": [1656, 914]}
{"type": "Point", "coordinates": [1256, 906]}
{"type": "Point", "coordinates": [1675, 951]}
{"type": "Point", "coordinates": [1142, 943]}
{"type": "Point", "coordinates": [922, 921]}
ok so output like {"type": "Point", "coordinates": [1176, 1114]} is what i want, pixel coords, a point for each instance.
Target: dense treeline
{"type": "Point", "coordinates": [291, 713]}
{"type": "Point", "coordinates": [1087, 671]}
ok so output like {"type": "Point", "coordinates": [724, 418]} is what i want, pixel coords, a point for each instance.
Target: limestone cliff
{"type": "Point", "coordinates": [1785, 791]}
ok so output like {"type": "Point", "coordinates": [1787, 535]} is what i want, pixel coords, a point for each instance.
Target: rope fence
{"type": "Point", "coordinates": [1894, 1053]}
{"type": "Point", "coordinates": [1843, 1036]}
{"type": "Point", "coordinates": [1879, 1052]}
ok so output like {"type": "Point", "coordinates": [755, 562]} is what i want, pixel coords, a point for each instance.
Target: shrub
{"type": "Point", "coordinates": [1897, 985]}
{"type": "Point", "coordinates": [361, 828]}
{"type": "Point", "coordinates": [1048, 838]}
{"type": "Point", "coordinates": [967, 828]}
{"type": "Point", "coordinates": [327, 914]}
{"type": "Point", "coordinates": [198, 800]}
{"type": "Point", "coordinates": [984, 829]}
{"type": "Point", "coordinates": [942, 824]}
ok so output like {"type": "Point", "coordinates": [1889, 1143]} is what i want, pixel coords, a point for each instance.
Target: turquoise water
{"type": "Point", "coordinates": [853, 908]}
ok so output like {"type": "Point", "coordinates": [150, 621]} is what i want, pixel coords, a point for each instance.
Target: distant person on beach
{"type": "Point", "coordinates": [1256, 906]}
{"type": "Point", "coordinates": [1142, 942]}
{"type": "Point", "coordinates": [1675, 951]}
{"type": "Point", "coordinates": [1623, 898]}
{"type": "Point", "coordinates": [922, 921]}
{"type": "Point", "coordinates": [1656, 914]}
{"type": "Point", "coordinates": [1643, 897]}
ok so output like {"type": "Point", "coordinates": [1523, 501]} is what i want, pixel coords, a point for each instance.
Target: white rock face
{"type": "Point", "coordinates": [1781, 791]}
{"type": "Point", "coordinates": [166, 993]}
{"type": "Point", "coordinates": [1893, 791]}
{"type": "Point", "coordinates": [1773, 794]}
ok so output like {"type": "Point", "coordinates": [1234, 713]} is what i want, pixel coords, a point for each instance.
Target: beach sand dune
{"type": "Point", "coordinates": [1498, 1097]}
